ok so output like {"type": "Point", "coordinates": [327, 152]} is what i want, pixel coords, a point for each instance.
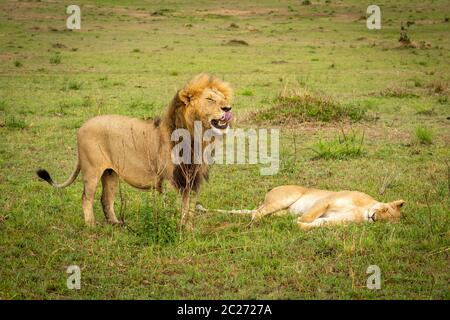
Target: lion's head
{"type": "Point", "coordinates": [387, 211]}
{"type": "Point", "coordinates": [205, 98]}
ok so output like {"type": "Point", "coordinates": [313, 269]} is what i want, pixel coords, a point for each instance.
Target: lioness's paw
{"type": "Point", "coordinates": [304, 226]}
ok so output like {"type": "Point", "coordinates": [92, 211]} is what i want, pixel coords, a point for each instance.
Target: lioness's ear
{"type": "Point", "coordinates": [399, 203]}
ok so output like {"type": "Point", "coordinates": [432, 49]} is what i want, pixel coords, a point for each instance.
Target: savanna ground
{"type": "Point", "coordinates": [130, 58]}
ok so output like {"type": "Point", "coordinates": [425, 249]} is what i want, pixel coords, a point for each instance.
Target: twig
{"type": "Point", "coordinates": [438, 250]}
{"type": "Point", "coordinates": [429, 211]}
{"type": "Point", "coordinates": [448, 176]}
{"type": "Point", "coordinates": [123, 204]}
{"type": "Point", "coordinates": [388, 179]}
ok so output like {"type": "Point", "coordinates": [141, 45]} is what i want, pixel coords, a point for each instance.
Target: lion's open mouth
{"type": "Point", "coordinates": [223, 122]}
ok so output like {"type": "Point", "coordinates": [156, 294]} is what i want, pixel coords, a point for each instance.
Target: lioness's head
{"type": "Point", "coordinates": [387, 211]}
{"type": "Point", "coordinates": [207, 99]}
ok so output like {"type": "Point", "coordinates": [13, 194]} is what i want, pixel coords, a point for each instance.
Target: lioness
{"type": "Point", "coordinates": [139, 151]}
{"type": "Point", "coordinates": [321, 207]}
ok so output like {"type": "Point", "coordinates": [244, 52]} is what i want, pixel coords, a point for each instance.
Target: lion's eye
{"type": "Point", "coordinates": [211, 99]}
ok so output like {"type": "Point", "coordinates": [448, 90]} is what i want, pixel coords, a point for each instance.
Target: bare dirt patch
{"type": "Point", "coordinates": [241, 12]}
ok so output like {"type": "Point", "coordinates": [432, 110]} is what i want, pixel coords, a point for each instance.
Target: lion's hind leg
{"type": "Point", "coordinates": [267, 209]}
{"type": "Point", "coordinates": [110, 182]}
{"type": "Point", "coordinates": [90, 179]}
{"type": "Point", "coordinates": [277, 201]}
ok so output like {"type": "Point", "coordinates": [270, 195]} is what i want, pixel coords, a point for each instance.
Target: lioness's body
{"type": "Point", "coordinates": [316, 207]}
{"type": "Point", "coordinates": [139, 151]}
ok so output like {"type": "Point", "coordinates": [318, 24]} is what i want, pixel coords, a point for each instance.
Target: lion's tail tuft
{"type": "Point", "coordinates": [44, 175]}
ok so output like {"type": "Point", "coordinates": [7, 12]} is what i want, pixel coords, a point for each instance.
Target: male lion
{"type": "Point", "coordinates": [139, 151]}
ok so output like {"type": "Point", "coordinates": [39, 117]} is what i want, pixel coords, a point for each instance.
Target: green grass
{"type": "Point", "coordinates": [55, 59]}
{"type": "Point", "coordinates": [359, 79]}
{"type": "Point", "coordinates": [302, 107]}
{"type": "Point", "coordinates": [344, 146]}
{"type": "Point", "coordinates": [159, 220]}
{"type": "Point", "coordinates": [423, 135]}
{"type": "Point", "coordinates": [247, 93]}
{"type": "Point", "coordinates": [12, 122]}
{"type": "Point", "coordinates": [73, 85]}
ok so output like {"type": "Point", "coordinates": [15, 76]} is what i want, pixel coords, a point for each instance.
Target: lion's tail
{"type": "Point", "coordinates": [44, 175]}
{"type": "Point", "coordinates": [199, 207]}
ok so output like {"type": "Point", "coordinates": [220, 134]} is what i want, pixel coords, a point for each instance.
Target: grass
{"type": "Point", "coordinates": [55, 59]}
{"type": "Point", "coordinates": [42, 230]}
{"type": "Point", "coordinates": [344, 146]}
{"type": "Point", "coordinates": [159, 219]}
{"type": "Point", "coordinates": [13, 122]}
{"type": "Point", "coordinates": [247, 93]}
{"type": "Point", "coordinates": [303, 106]}
{"type": "Point", "coordinates": [423, 135]}
{"type": "Point", "coordinates": [73, 85]}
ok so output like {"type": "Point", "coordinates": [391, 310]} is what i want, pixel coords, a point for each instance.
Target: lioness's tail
{"type": "Point", "coordinates": [199, 207]}
{"type": "Point", "coordinates": [44, 175]}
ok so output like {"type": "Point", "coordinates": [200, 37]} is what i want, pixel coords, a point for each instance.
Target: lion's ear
{"type": "Point", "coordinates": [194, 88]}
{"type": "Point", "coordinates": [184, 96]}
{"type": "Point", "coordinates": [399, 203]}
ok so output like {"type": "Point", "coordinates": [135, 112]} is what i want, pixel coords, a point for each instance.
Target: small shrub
{"type": "Point", "coordinates": [404, 38]}
{"type": "Point", "coordinates": [2, 105]}
{"type": "Point", "coordinates": [12, 122]}
{"type": "Point", "coordinates": [247, 93]}
{"type": "Point", "coordinates": [423, 135]}
{"type": "Point", "coordinates": [87, 102]}
{"type": "Point", "coordinates": [73, 85]}
{"type": "Point", "coordinates": [397, 92]}
{"type": "Point", "coordinates": [301, 107]}
{"type": "Point", "coordinates": [306, 2]}
{"type": "Point", "coordinates": [56, 59]}
{"type": "Point", "coordinates": [18, 64]}
{"type": "Point", "coordinates": [438, 87]}
{"type": "Point", "coordinates": [159, 222]}
{"type": "Point", "coordinates": [136, 50]}
{"type": "Point", "coordinates": [342, 147]}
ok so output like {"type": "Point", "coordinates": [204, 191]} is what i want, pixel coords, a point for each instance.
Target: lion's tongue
{"type": "Point", "coordinates": [227, 116]}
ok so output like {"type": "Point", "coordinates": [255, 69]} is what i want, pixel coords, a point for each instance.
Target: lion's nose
{"type": "Point", "coordinates": [226, 109]}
